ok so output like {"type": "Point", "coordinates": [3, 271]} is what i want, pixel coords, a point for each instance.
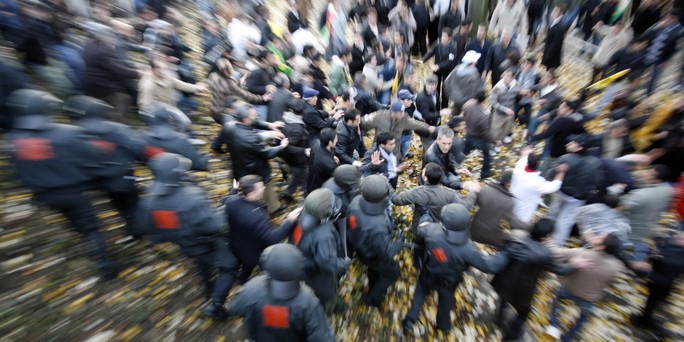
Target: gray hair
{"type": "Point", "coordinates": [445, 132]}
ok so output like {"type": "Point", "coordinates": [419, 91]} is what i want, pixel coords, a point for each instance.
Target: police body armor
{"type": "Point", "coordinates": [365, 222]}
{"type": "Point", "coordinates": [442, 253]}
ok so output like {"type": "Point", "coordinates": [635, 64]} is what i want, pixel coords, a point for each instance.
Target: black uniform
{"type": "Point", "coordinates": [58, 163]}
{"type": "Point", "coordinates": [450, 253]}
{"type": "Point", "coordinates": [370, 232]}
{"type": "Point", "coordinates": [445, 59]}
{"type": "Point", "coordinates": [121, 146]}
{"type": "Point", "coordinates": [316, 236]}
{"type": "Point", "coordinates": [277, 306]}
{"type": "Point", "coordinates": [163, 138]}
{"type": "Point", "coordinates": [180, 213]}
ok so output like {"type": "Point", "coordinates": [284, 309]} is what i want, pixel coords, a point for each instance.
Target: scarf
{"type": "Point", "coordinates": [391, 160]}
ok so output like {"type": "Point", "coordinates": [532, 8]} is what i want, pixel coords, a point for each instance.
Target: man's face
{"type": "Point", "coordinates": [397, 115]}
{"type": "Point", "coordinates": [332, 143]}
{"type": "Point", "coordinates": [354, 123]}
{"type": "Point", "coordinates": [573, 147]}
{"type": "Point", "coordinates": [507, 77]}
{"type": "Point", "coordinates": [407, 102]}
{"type": "Point", "coordinates": [481, 32]}
{"type": "Point", "coordinates": [312, 100]}
{"type": "Point", "coordinates": [564, 109]}
{"type": "Point", "coordinates": [389, 146]}
{"type": "Point", "coordinates": [460, 128]}
{"type": "Point", "coordinates": [506, 37]}
{"type": "Point", "coordinates": [444, 144]}
{"type": "Point", "coordinates": [258, 193]}
{"type": "Point", "coordinates": [430, 88]}
{"type": "Point", "coordinates": [445, 38]}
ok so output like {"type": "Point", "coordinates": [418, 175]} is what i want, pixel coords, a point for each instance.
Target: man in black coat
{"type": "Point", "coordinates": [664, 36]}
{"type": "Point", "coordinates": [261, 80]}
{"type": "Point", "coordinates": [323, 161]}
{"type": "Point", "coordinates": [283, 100]}
{"type": "Point", "coordinates": [251, 230]}
{"type": "Point", "coordinates": [294, 19]}
{"type": "Point", "coordinates": [249, 153]}
{"type": "Point", "coordinates": [451, 19]}
{"type": "Point", "coordinates": [421, 15]}
{"type": "Point", "coordinates": [105, 75]}
{"type": "Point", "coordinates": [349, 142]}
{"type": "Point", "coordinates": [497, 54]}
{"type": "Point", "coordinates": [445, 61]}
{"type": "Point", "coordinates": [516, 284]}
{"type": "Point", "coordinates": [426, 102]}
{"type": "Point", "coordinates": [364, 101]}
{"type": "Point", "coordinates": [296, 154]}
{"type": "Point", "coordinates": [553, 47]}
{"type": "Point", "coordinates": [316, 119]}
{"type": "Point", "coordinates": [442, 154]}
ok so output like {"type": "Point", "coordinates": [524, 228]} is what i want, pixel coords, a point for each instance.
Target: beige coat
{"type": "Point", "coordinates": [588, 284]}
{"type": "Point", "coordinates": [153, 89]}
{"type": "Point", "coordinates": [611, 42]}
{"type": "Point", "coordinates": [513, 18]}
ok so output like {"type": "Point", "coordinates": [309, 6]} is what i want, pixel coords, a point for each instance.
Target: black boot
{"type": "Point", "coordinates": [215, 311]}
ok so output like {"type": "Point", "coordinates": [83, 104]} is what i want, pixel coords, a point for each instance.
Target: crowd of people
{"type": "Point", "coordinates": [309, 103]}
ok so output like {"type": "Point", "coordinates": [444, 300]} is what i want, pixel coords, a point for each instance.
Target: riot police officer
{"type": "Point", "coordinates": [345, 185]}
{"type": "Point", "coordinates": [371, 232]}
{"type": "Point", "coordinates": [316, 237]}
{"type": "Point", "coordinates": [277, 306]}
{"type": "Point", "coordinates": [178, 212]}
{"type": "Point", "coordinates": [59, 164]}
{"type": "Point", "coordinates": [121, 147]}
{"type": "Point", "coordinates": [449, 253]}
{"type": "Point", "coordinates": [163, 138]}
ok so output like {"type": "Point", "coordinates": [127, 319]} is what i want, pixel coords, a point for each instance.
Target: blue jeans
{"type": "Point", "coordinates": [534, 123]}
{"type": "Point", "coordinates": [586, 308]}
{"type": "Point", "coordinates": [406, 143]}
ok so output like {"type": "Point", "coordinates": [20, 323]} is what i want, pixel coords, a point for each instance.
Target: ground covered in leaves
{"type": "Point", "coordinates": [50, 292]}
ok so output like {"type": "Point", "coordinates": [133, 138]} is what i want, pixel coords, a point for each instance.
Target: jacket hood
{"type": "Point", "coordinates": [292, 118]}
{"type": "Point", "coordinates": [283, 290]}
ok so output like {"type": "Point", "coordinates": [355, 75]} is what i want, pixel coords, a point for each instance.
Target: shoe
{"type": "Point", "coordinates": [407, 326]}
{"type": "Point", "coordinates": [196, 142]}
{"type": "Point", "coordinates": [370, 302]}
{"type": "Point", "coordinates": [215, 311]}
{"type": "Point", "coordinates": [553, 332]}
{"type": "Point", "coordinates": [507, 139]}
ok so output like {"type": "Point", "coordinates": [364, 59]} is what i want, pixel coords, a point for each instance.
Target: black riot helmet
{"type": "Point", "coordinates": [323, 205]}
{"type": "Point", "coordinates": [169, 170]}
{"type": "Point", "coordinates": [82, 106]}
{"type": "Point", "coordinates": [285, 265]}
{"type": "Point", "coordinates": [32, 108]}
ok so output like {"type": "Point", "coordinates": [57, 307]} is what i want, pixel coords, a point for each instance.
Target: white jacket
{"type": "Point", "coordinates": [527, 189]}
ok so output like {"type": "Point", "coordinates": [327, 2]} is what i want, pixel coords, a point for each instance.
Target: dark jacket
{"type": "Point", "coordinates": [583, 177]}
{"type": "Point", "coordinates": [495, 205]}
{"type": "Point", "coordinates": [283, 101]}
{"type": "Point", "coordinates": [365, 103]}
{"type": "Point", "coordinates": [162, 138]}
{"type": "Point", "coordinates": [296, 133]}
{"type": "Point", "coordinates": [669, 48]}
{"type": "Point", "coordinates": [451, 253]}
{"type": "Point", "coordinates": [51, 157]}
{"type": "Point", "coordinates": [430, 199]}
{"type": "Point", "coordinates": [294, 22]}
{"type": "Point", "coordinates": [121, 146]}
{"type": "Point", "coordinates": [104, 73]}
{"type": "Point", "coordinates": [559, 130]}
{"type": "Point", "coordinates": [496, 55]}
{"type": "Point", "coordinates": [644, 18]}
{"type": "Point", "coordinates": [183, 217]}
{"type": "Point", "coordinates": [668, 263]}
{"type": "Point", "coordinates": [248, 153]}
{"type": "Point", "coordinates": [321, 165]}
{"type": "Point", "coordinates": [527, 261]}
{"type": "Point", "coordinates": [448, 161]}
{"type": "Point", "coordinates": [553, 47]}
{"type": "Point", "coordinates": [477, 120]}
{"type": "Point", "coordinates": [251, 230]}
{"type": "Point", "coordinates": [624, 59]}
{"type": "Point", "coordinates": [427, 107]}
{"type": "Point", "coordinates": [348, 141]}
{"type": "Point", "coordinates": [445, 57]}
{"type": "Point", "coordinates": [305, 320]}
{"type": "Point", "coordinates": [357, 63]}
{"type": "Point", "coordinates": [421, 16]}
{"type": "Point", "coordinates": [258, 79]}
{"type": "Point", "coordinates": [371, 231]}
{"type": "Point", "coordinates": [449, 19]}
{"type": "Point", "coordinates": [315, 121]}
{"type": "Point", "coordinates": [481, 48]}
